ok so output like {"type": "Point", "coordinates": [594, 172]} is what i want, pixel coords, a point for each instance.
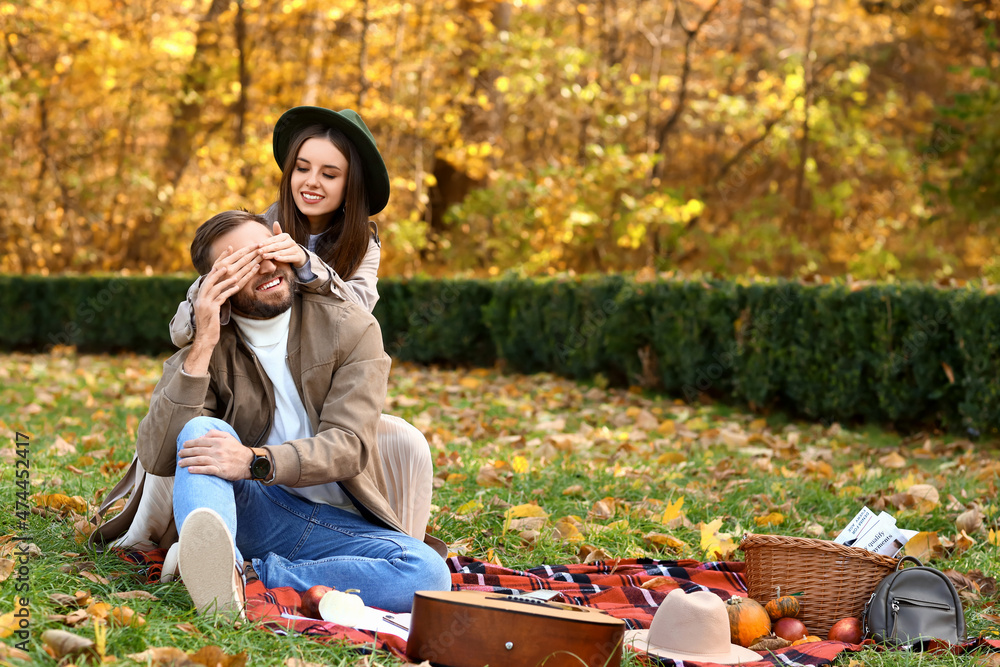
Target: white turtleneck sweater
{"type": "Point", "coordinates": [268, 339]}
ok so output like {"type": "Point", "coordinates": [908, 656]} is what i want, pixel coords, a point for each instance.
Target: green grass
{"type": "Point", "coordinates": [607, 449]}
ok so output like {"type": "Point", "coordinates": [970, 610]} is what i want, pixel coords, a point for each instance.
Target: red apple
{"type": "Point", "coordinates": [789, 628]}
{"type": "Point", "coordinates": [311, 598]}
{"type": "Point", "coordinates": [847, 630]}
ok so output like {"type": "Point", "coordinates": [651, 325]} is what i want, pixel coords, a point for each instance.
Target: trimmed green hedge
{"type": "Point", "coordinates": [882, 353]}
{"type": "Point", "coordinates": [435, 320]}
{"type": "Point", "coordinates": [91, 312]}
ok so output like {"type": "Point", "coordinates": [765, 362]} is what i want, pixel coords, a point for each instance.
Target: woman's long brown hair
{"type": "Point", "coordinates": [345, 240]}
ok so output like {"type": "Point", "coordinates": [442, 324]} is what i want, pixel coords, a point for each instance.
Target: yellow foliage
{"type": "Point", "coordinates": [469, 507]}
{"type": "Point", "coordinates": [59, 501]}
{"type": "Point", "coordinates": [565, 529]}
{"type": "Point", "coordinates": [525, 511]}
{"type": "Point", "coordinates": [924, 546]}
{"type": "Point", "coordinates": [715, 544]}
{"type": "Point", "coordinates": [552, 155]}
{"type": "Point", "coordinates": [771, 519]}
{"type": "Point", "coordinates": [673, 513]}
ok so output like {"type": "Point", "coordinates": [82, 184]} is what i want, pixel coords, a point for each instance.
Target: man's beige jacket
{"type": "Point", "coordinates": [336, 358]}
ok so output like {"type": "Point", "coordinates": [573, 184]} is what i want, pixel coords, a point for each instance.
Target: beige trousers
{"type": "Point", "coordinates": [406, 462]}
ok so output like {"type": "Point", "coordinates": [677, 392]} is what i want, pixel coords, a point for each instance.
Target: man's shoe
{"type": "Point", "coordinates": [207, 563]}
{"type": "Point", "coordinates": [169, 571]}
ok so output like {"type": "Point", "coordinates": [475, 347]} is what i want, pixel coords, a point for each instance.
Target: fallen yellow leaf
{"type": "Point", "coordinates": [469, 507]}
{"type": "Point", "coordinates": [924, 546]}
{"type": "Point", "coordinates": [734, 439]}
{"type": "Point", "coordinates": [127, 616]}
{"type": "Point", "coordinates": [165, 655]}
{"type": "Point", "coordinates": [59, 502]}
{"type": "Point", "coordinates": [98, 610]}
{"type": "Point", "coordinates": [565, 529]}
{"type": "Point", "coordinates": [11, 653]}
{"type": "Point", "coordinates": [656, 582]}
{"type": "Point", "coordinates": [893, 460]}
{"type": "Point", "coordinates": [963, 543]}
{"type": "Point", "coordinates": [526, 511]}
{"type": "Point", "coordinates": [696, 424]}
{"type": "Point", "coordinates": [488, 476]}
{"type": "Point", "coordinates": [60, 447]}
{"type": "Point", "coordinates": [969, 521]}
{"type": "Point", "coordinates": [715, 544]}
{"type": "Point", "coordinates": [660, 541]}
{"type": "Point", "coordinates": [925, 497]}
{"type": "Point", "coordinates": [65, 643]}
{"type": "Point", "coordinates": [588, 554]}
{"type": "Point", "coordinates": [901, 484]}
{"type": "Point", "coordinates": [213, 655]}
{"type": "Point", "coordinates": [674, 514]}
{"type": "Point", "coordinates": [8, 624]}
{"type": "Point", "coordinates": [602, 510]}
{"type": "Point", "coordinates": [772, 519]}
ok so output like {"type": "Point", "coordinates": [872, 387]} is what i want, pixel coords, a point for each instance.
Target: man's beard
{"type": "Point", "coordinates": [260, 309]}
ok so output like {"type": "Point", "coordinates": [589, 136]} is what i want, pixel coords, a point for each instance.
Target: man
{"type": "Point", "coordinates": [268, 425]}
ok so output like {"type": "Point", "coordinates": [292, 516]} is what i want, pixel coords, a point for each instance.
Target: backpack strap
{"type": "Point", "coordinates": [912, 559]}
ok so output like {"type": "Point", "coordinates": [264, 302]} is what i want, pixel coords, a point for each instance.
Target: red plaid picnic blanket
{"type": "Point", "coordinates": [629, 589]}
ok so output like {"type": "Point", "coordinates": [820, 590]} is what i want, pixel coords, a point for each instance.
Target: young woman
{"type": "Point", "coordinates": [333, 178]}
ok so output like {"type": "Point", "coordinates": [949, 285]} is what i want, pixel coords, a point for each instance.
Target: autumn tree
{"type": "Point", "coordinates": [769, 136]}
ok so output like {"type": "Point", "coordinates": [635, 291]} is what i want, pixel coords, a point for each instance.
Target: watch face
{"type": "Point", "coordinates": [260, 468]}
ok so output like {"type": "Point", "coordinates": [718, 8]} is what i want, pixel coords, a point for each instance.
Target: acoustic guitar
{"type": "Point", "coordinates": [474, 628]}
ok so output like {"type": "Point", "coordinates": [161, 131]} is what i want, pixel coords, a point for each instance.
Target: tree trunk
{"type": "Point", "coordinates": [184, 128]}
{"type": "Point", "coordinates": [807, 67]}
{"type": "Point", "coordinates": [239, 138]}
{"type": "Point", "coordinates": [397, 56]}
{"type": "Point", "coordinates": [314, 63]}
{"type": "Point", "coordinates": [363, 56]}
{"type": "Point", "coordinates": [665, 128]}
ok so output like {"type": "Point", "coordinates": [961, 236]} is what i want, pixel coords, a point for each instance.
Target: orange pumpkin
{"type": "Point", "coordinates": [747, 620]}
{"type": "Point", "coordinates": [784, 607]}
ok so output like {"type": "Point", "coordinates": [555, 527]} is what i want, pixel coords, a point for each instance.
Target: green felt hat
{"type": "Point", "coordinates": [349, 122]}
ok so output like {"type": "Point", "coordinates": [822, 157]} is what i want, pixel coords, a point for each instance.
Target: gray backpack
{"type": "Point", "coordinates": [913, 605]}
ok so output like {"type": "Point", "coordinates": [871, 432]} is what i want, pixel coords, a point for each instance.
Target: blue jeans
{"type": "Point", "coordinates": [298, 543]}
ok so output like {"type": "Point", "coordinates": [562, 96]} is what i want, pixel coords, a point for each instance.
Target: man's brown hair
{"type": "Point", "coordinates": [216, 226]}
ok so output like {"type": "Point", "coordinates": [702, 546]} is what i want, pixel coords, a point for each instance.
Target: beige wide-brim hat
{"type": "Point", "coordinates": [691, 626]}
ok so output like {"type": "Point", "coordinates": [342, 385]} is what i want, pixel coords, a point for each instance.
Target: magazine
{"type": "Point", "coordinates": [874, 532]}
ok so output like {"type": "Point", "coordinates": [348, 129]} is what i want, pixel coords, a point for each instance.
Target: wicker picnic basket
{"type": "Point", "coordinates": [835, 581]}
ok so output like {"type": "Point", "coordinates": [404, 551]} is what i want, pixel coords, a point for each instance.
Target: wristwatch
{"type": "Point", "coordinates": [260, 466]}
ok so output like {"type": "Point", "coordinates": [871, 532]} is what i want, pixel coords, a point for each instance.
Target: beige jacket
{"type": "Point", "coordinates": [335, 355]}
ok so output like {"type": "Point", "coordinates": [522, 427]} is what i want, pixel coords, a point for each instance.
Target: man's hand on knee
{"type": "Point", "coordinates": [216, 453]}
